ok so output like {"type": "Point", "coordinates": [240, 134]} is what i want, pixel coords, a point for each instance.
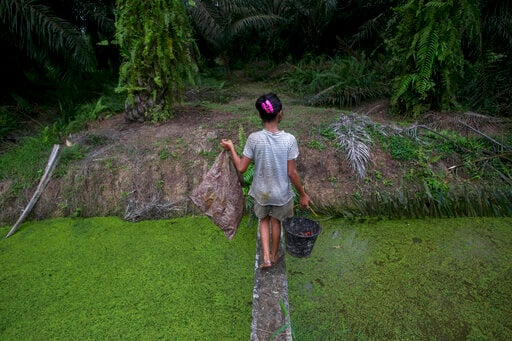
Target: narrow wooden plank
{"type": "Point", "coordinates": [270, 295]}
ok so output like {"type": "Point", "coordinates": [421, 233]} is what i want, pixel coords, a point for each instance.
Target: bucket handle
{"type": "Point", "coordinates": [310, 209]}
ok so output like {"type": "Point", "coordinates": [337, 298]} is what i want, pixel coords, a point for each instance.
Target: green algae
{"type": "Point", "coordinates": [103, 278]}
{"type": "Point", "coordinates": [405, 280]}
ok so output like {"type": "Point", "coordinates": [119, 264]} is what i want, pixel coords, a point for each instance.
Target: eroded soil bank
{"type": "Point", "coordinates": [147, 170]}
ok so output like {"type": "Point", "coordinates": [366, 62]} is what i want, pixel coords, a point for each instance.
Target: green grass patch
{"type": "Point", "coordinates": [402, 148]}
{"type": "Point", "coordinates": [405, 280]}
{"type": "Point", "coordinates": [25, 163]}
{"type": "Point", "coordinates": [104, 279]}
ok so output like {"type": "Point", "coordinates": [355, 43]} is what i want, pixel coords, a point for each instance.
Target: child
{"type": "Point", "coordinates": [273, 153]}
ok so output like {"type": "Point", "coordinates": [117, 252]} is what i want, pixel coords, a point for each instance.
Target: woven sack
{"type": "Point", "coordinates": [220, 195]}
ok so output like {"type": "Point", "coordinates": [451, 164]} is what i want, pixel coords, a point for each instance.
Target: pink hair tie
{"type": "Point", "coordinates": [267, 106]}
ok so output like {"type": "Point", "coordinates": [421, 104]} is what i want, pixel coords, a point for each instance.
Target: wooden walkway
{"type": "Point", "coordinates": [270, 310]}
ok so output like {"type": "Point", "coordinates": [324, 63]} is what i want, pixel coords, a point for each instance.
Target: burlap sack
{"type": "Point", "coordinates": [220, 196]}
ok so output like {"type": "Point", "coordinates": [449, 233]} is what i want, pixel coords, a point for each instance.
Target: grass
{"type": "Point", "coordinates": [25, 163]}
{"type": "Point", "coordinates": [104, 279]}
{"type": "Point", "coordinates": [405, 280]}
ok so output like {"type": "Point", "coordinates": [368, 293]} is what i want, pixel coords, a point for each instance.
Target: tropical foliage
{"type": "Point", "coordinates": [462, 64]}
{"type": "Point", "coordinates": [458, 64]}
{"type": "Point", "coordinates": [342, 52]}
{"type": "Point", "coordinates": [429, 56]}
{"type": "Point", "coordinates": [221, 24]}
{"type": "Point", "coordinates": [339, 82]}
{"type": "Point", "coordinates": [52, 61]}
{"type": "Point", "coordinates": [487, 82]}
{"type": "Point", "coordinates": [156, 47]}
{"type": "Point", "coordinates": [59, 36]}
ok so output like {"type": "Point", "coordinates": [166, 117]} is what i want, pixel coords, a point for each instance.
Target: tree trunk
{"type": "Point", "coordinates": [143, 105]}
{"type": "Point", "coordinates": [136, 111]}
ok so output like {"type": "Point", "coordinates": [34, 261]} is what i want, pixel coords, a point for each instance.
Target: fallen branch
{"type": "Point", "coordinates": [501, 155]}
{"type": "Point", "coordinates": [485, 136]}
{"type": "Point", "coordinates": [52, 162]}
{"type": "Point", "coordinates": [137, 211]}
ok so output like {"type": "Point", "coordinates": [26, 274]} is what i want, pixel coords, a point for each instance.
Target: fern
{"type": "Point", "coordinates": [426, 55]}
{"type": "Point", "coordinates": [157, 56]}
{"type": "Point", "coordinates": [431, 54]}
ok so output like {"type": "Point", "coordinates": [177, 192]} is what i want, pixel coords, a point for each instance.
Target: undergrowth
{"type": "Point", "coordinates": [25, 161]}
{"type": "Point", "coordinates": [424, 151]}
{"type": "Point", "coordinates": [338, 82]}
{"type": "Point", "coordinates": [445, 174]}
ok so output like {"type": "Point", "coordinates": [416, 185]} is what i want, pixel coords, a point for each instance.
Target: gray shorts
{"type": "Point", "coordinates": [278, 212]}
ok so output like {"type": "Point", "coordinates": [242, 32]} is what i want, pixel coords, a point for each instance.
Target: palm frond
{"type": "Point", "coordinates": [97, 13]}
{"type": "Point", "coordinates": [43, 35]}
{"type": "Point", "coordinates": [354, 139]}
{"type": "Point", "coordinates": [426, 54]}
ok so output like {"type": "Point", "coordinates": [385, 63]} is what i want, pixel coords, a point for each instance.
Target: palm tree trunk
{"type": "Point", "coordinates": [142, 105]}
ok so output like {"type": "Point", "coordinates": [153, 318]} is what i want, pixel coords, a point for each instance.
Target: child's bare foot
{"type": "Point", "coordinates": [266, 264]}
{"type": "Point", "coordinates": [276, 257]}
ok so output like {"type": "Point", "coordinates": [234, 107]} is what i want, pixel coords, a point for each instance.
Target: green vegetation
{"type": "Point", "coordinates": [103, 278]}
{"type": "Point", "coordinates": [369, 279]}
{"type": "Point", "coordinates": [404, 280]}
{"type": "Point", "coordinates": [249, 173]}
{"type": "Point", "coordinates": [433, 64]}
{"type": "Point", "coordinates": [50, 35]}
{"type": "Point", "coordinates": [25, 161]}
{"type": "Point", "coordinates": [401, 148]}
{"type": "Point", "coordinates": [431, 159]}
{"type": "Point", "coordinates": [350, 52]}
{"type": "Point", "coordinates": [88, 112]}
{"type": "Point", "coordinates": [338, 82]}
{"type": "Point", "coordinates": [157, 57]}
{"type": "Point", "coordinates": [428, 199]}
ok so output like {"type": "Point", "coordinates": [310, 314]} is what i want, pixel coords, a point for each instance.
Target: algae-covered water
{"type": "Point", "coordinates": [107, 279]}
{"type": "Point", "coordinates": [405, 280]}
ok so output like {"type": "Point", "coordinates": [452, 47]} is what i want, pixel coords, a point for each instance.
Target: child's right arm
{"type": "Point", "coordinates": [242, 163]}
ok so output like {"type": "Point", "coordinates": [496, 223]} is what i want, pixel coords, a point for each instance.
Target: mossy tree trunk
{"type": "Point", "coordinates": [156, 45]}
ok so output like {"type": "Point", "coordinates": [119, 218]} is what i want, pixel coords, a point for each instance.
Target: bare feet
{"type": "Point", "coordinates": [276, 258]}
{"type": "Point", "coordinates": [266, 264]}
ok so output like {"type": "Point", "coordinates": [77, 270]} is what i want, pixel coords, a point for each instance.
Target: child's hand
{"type": "Point", "coordinates": [305, 201]}
{"type": "Point", "coordinates": [227, 144]}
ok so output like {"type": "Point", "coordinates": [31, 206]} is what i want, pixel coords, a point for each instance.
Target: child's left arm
{"type": "Point", "coordinates": [304, 198]}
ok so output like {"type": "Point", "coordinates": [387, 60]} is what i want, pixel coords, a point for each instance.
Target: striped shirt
{"type": "Point", "coordinates": [270, 153]}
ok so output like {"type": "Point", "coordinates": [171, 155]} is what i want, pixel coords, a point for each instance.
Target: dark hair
{"type": "Point", "coordinates": [268, 105]}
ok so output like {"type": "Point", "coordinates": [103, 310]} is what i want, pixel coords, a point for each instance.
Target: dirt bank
{"type": "Point", "coordinates": [147, 170]}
